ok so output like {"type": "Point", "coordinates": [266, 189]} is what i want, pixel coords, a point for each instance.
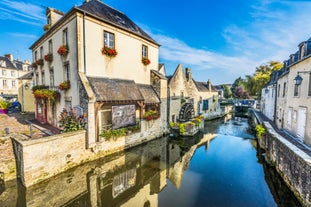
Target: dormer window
{"type": "Point", "coordinates": [3, 64]}
{"type": "Point", "coordinates": [302, 51]}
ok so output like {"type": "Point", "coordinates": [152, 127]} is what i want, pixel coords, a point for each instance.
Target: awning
{"type": "Point", "coordinates": [149, 94]}
{"type": "Point", "coordinates": [115, 90]}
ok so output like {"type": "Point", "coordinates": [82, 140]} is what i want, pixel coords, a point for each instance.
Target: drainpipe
{"type": "Point", "coordinates": [84, 54]}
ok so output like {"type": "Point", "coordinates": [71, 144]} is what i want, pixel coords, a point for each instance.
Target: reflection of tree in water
{"type": "Point", "coordinates": [278, 188]}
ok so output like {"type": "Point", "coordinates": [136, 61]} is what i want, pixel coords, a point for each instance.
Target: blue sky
{"type": "Point", "coordinates": [219, 40]}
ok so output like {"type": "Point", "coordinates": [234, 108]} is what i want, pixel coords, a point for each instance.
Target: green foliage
{"type": "Point", "coordinates": [69, 121]}
{"type": "Point", "coordinates": [181, 128]}
{"type": "Point", "coordinates": [39, 87]}
{"type": "Point", "coordinates": [182, 101]}
{"type": "Point", "coordinates": [4, 104]}
{"type": "Point", "coordinates": [174, 125]}
{"type": "Point", "coordinates": [260, 131]}
{"type": "Point", "coordinates": [116, 133]}
{"type": "Point", "coordinates": [227, 91]}
{"type": "Point", "coordinates": [151, 114]}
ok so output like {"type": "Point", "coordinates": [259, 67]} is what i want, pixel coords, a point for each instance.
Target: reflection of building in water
{"type": "Point", "coordinates": [180, 152]}
{"type": "Point", "coordinates": [133, 178]}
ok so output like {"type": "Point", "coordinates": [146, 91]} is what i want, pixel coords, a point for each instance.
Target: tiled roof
{"type": "Point", "coordinates": [110, 15]}
{"type": "Point", "coordinates": [203, 87]}
{"type": "Point", "coordinates": [112, 90]}
{"type": "Point", "coordinates": [150, 96]}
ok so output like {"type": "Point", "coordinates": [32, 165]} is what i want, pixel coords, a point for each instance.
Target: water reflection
{"type": "Point", "coordinates": [169, 172]}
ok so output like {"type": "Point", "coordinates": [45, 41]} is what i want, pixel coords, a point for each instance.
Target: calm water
{"type": "Point", "coordinates": [220, 167]}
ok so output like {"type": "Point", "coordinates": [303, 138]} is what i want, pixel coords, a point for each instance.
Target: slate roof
{"type": "Point", "coordinates": [150, 96]}
{"type": "Point", "coordinates": [8, 63]}
{"type": "Point", "coordinates": [159, 74]}
{"type": "Point", "coordinates": [113, 90]}
{"type": "Point", "coordinates": [110, 15]}
{"type": "Point", "coordinates": [26, 76]}
{"type": "Point", "coordinates": [203, 87]}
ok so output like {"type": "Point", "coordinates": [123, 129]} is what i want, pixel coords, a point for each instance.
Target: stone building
{"type": "Point", "coordinates": [288, 103]}
{"type": "Point", "coordinates": [198, 98]}
{"type": "Point", "coordinates": [105, 61]}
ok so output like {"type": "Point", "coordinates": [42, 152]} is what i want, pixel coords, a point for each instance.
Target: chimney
{"type": "Point", "coordinates": [9, 56]}
{"type": "Point", "coordinates": [209, 85]}
{"type": "Point", "coordinates": [188, 74]}
{"type": "Point", "coordinates": [53, 15]}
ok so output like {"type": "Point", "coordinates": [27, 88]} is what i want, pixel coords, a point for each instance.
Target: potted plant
{"type": "Point", "coordinates": [109, 52]}
{"type": "Point", "coordinates": [46, 27]}
{"type": "Point", "coordinates": [46, 94]}
{"type": "Point", "coordinates": [151, 115]}
{"type": "Point", "coordinates": [4, 105]}
{"type": "Point", "coordinates": [63, 50]}
{"type": "Point", "coordinates": [39, 62]}
{"type": "Point", "coordinates": [145, 61]}
{"type": "Point", "coordinates": [48, 57]}
{"type": "Point", "coordinates": [64, 85]}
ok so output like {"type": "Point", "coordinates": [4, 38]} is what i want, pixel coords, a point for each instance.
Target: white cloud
{"type": "Point", "coordinates": [22, 12]}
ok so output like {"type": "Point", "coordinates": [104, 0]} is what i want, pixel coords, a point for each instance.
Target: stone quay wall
{"type": "Point", "coordinates": [39, 159]}
{"type": "Point", "coordinates": [292, 163]}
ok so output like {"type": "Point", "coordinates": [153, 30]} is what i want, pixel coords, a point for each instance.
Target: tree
{"type": "Point", "coordinates": [227, 91]}
{"type": "Point", "coordinates": [239, 82]}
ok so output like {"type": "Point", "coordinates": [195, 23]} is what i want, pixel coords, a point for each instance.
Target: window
{"type": "Point", "coordinates": [144, 51]}
{"type": "Point", "coordinates": [4, 72]}
{"type": "Point", "coordinates": [109, 40]}
{"type": "Point", "coordinates": [284, 89]}
{"type": "Point", "coordinates": [289, 117]}
{"type": "Point", "coordinates": [50, 46]}
{"type": "Point", "coordinates": [105, 121]}
{"type": "Point", "coordinates": [309, 87]}
{"type": "Point", "coordinates": [41, 52]}
{"type": "Point", "coordinates": [36, 55]}
{"type": "Point", "coordinates": [12, 73]}
{"type": "Point", "coordinates": [66, 71]}
{"type": "Point", "coordinates": [279, 88]}
{"type": "Point", "coordinates": [42, 78]}
{"type": "Point", "coordinates": [65, 37]}
{"type": "Point", "coordinates": [296, 90]}
{"type": "Point", "coordinates": [68, 105]}
{"type": "Point", "coordinates": [13, 83]}
{"type": "Point", "coordinates": [4, 83]}
{"type": "Point", "coordinates": [3, 64]}
{"type": "Point", "coordinates": [302, 51]}
{"type": "Point", "coordinates": [51, 77]}
{"type": "Point", "coordinates": [37, 78]}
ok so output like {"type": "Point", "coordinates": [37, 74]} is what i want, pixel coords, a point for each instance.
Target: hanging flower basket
{"type": "Point", "coordinates": [145, 61]}
{"type": "Point", "coordinates": [46, 27]}
{"type": "Point", "coordinates": [48, 57]}
{"type": "Point", "coordinates": [39, 62]}
{"type": "Point", "coordinates": [63, 50]}
{"type": "Point", "coordinates": [34, 65]}
{"type": "Point", "coordinates": [151, 115]}
{"type": "Point", "coordinates": [64, 85]}
{"type": "Point", "coordinates": [109, 52]}
{"type": "Point", "coordinates": [46, 94]}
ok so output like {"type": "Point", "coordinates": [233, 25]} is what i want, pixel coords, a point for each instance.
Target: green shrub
{"type": "Point", "coordinates": [5, 104]}
{"type": "Point", "coordinates": [69, 121]}
{"type": "Point", "coordinates": [260, 131]}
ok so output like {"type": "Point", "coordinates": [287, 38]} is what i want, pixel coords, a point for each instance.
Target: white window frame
{"type": "Point", "coordinates": [109, 40]}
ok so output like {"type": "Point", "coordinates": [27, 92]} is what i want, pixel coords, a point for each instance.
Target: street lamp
{"type": "Point", "coordinates": [298, 79]}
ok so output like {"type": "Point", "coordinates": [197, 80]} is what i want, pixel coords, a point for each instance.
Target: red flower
{"type": "Point", "coordinates": [145, 61]}
{"type": "Point", "coordinates": [48, 57]}
{"type": "Point", "coordinates": [63, 50]}
{"type": "Point", "coordinates": [109, 52]}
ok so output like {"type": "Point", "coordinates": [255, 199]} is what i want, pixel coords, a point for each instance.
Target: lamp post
{"type": "Point", "coordinates": [298, 79]}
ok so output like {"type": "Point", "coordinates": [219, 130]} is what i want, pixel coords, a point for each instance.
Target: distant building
{"type": "Point", "coordinates": [111, 65]}
{"type": "Point", "coordinates": [10, 71]}
{"type": "Point", "coordinates": [221, 90]}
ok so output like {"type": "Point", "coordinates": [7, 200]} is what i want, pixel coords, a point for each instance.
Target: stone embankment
{"type": "Point", "coordinates": [292, 161]}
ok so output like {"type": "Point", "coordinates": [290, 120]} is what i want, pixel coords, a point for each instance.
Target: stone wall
{"type": "Point", "coordinates": [39, 159]}
{"type": "Point", "coordinates": [292, 163]}
{"type": "Point", "coordinates": [7, 162]}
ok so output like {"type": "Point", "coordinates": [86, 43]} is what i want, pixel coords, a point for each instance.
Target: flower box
{"type": "Point", "coordinates": [63, 50]}
{"type": "Point", "coordinates": [48, 57]}
{"type": "Point", "coordinates": [64, 85]}
{"type": "Point", "coordinates": [145, 61]}
{"type": "Point", "coordinates": [46, 27]}
{"type": "Point", "coordinates": [109, 52]}
{"type": "Point", "coordinates": [46, 94]}
{"type": "Point", "coordinates": [39, 62]}
{"type": "Point", "coordinates": [151, 115]}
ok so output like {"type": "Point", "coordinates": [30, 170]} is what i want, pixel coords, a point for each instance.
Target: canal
{"type": "Point", "coordinates": [220, 167]}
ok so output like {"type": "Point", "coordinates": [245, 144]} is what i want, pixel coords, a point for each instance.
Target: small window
{"type": "Point", "coordinates": [309, 87]}
{"type": "Point", "coordinates": [68, 105]}
{"type": "Point", "coordinates": [13, 83]}
{"type": "Point", "coordinates": [109, 40]}
{"type": "Point", "coordinates": [144, 51]}
{"type": "Point", "coordinates": [51, 77]}
{"type": "Point", "coordinates": [65, 37]}
{"type": "Point", "coordinates": [41, 52]}
{"type": "Point", "coordinates": [4, 83]}
{"type": "Point", "coordinates": [4, 72]}
{"type": "Point", "coordinates": [13, 73]}
{"type": "Point", "coordinates": [296, 90]}
{"type": "Point", "coordinates": [67, 71]}
{"type": "Point", "coordinates": [50, 46]}
{"type": "Point", "coordinates": [37, 78]}
{"type": "Point", "coordinates": [284, 89]}
{"type": "Point", "coordinates": [42, 78]}
{"type": "Point", "coordinates": [279, 89]}
{"type": "Point", "coordinates": [36, 55]}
